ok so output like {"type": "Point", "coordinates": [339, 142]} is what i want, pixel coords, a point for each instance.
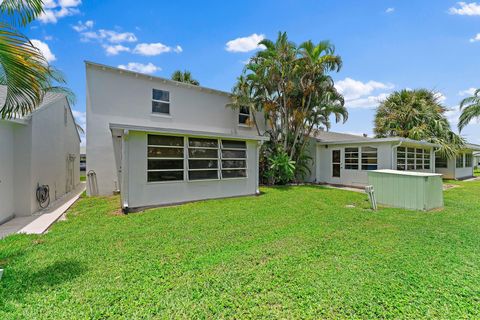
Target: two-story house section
{"type": "Point", "coordinates": [159, 141]}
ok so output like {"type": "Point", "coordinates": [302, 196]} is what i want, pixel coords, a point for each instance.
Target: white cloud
{"type": "Point", "coordinates": [148, 68]}
{"type": "Point", "coordinates": [44, 49]}
{"type": "Point", "coordinates": [360, 94]}
{"type": "Point", "coordinates": [441, 97]}
{"type": "Point", "coordinates": [468, 92]}
{"type": "Point", "coordinates": [390, 10]}
{"type": "Point", "coordinates": [55, 10]}
{"type": "Point", "coordinates": [466, 9]}
{"type": "Point", "coordinates": [113, 50]}
{"type": "Point", "coordinates": [475, 38]}
{"type": "Point", "coordinates": [108, 36]}
{"type": "Point", "coordinates": [80, 26]}
{"type": "Point", "coordinates": [154, 49]}
{"type": "Point", "coordinates": [245, 44]}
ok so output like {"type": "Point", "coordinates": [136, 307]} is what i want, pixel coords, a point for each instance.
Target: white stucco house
{"type": "Point", "coordinates": [159, 141]}
{"type": "Point", "coordinates": [39, 149]}
{"type": "Point", "coordinates": [345, 159]}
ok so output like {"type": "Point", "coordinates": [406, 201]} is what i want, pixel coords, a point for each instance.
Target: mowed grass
{"type": "Point", "coordinates": [293, 252]}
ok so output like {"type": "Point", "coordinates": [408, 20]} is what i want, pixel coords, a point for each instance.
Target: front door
{"type": "Point", "coordinates": [336, 163]}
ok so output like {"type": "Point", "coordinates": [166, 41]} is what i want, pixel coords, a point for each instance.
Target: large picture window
{"type": "Point", "coordinates": [202, 159]}
{"type": "Point", "coordinates": [441, 162]}
{"type": "Point", "coordinates": [165, 156]}
{"type": "Point", "coordinates": [468, 160]}
{"type": "Point", "coordinates": [234, 159]}
{"type": "Point", "coordinates": [160, 101]}
{"type": "Point", "coordinates": [413, 158]}
{"type": "Point", "coordinates": [369, 158]}
{"type": "Point", "coordinates": [459, 161]}
{"type": "Point", "coordinates": [351, 158]}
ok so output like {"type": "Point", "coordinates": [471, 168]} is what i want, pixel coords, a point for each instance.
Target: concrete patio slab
{"type": "Point", "coordinates": [40, 221]}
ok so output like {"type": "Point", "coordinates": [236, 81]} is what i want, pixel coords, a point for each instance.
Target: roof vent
{"type": "Point", "coordinates": [365, 135]}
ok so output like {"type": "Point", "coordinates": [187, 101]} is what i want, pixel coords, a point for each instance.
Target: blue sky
{"type": "Point", "coordinates": [385, 45]}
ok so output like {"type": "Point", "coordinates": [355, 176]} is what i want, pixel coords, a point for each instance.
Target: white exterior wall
{"type": "Point", "coordinates": [35, 152]}
{"type": "Point", "coordinates": [355, 178]}
{"type": "Point", "coordinates": [121, 97]}
{"type": "Point", "coordinates": [142, 193]}
{"type": "Point", "coordinates": [6, 170]}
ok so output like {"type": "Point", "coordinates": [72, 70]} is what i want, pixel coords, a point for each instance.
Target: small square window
{"type": "Point", "coordinates": [160, 101]}
{"type": "Point", "coordinates": [244, 115]}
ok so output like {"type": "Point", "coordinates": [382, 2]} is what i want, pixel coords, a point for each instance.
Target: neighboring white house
{"type": "Point", "coordinates": [345, 159]}
{"type": "Point", "coordinates": [476, 159]}
{"type": "Point", "coordinates": [39, 149]}
{"type": "Point", "coordinates": [160, 142]}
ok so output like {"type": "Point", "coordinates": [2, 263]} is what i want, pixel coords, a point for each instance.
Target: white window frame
{"type": "Point", "coordinates": [243, 159]}
{"type": "Point", "coordinates": [249, 116]}
{"type": "Point", "coordinates": [368, 158]}
{"type": "Point", "coordinates": [457, 159]}
{"type": "Point", "coordinates": [164, 158]}
{"type": "Point", "coordinates": [345, 157]}
{"type": "Point", "coordinates": [196, 159]}
{"type": "Point", "coordinates": [162, 101]}
{"type": "Point", "coordinates": [465, 162]}
{"type": "Point", "coordinates": [420, 159]}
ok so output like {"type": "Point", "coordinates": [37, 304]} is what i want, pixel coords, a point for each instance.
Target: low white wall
{"type": "Point", "coordinates": [6, 170]}
{"type": "Point", "coordinates": [142, 193]}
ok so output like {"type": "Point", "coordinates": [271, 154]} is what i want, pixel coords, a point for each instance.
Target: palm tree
{"type": "Point", "coordinates": [470, 107]}
{"type": "Point", "coordinates": [23, 69]}
{"type": "Point", "coordinates": [184, 76]}
{"type": "Point", "coordinates": [419, 115]}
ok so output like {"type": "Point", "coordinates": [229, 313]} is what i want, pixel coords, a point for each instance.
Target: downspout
{"type": "Point", "coordinates": [433, 160]}
{"type": "Point", "coordinates": [124, 187]}
{"type": "Point", "coordinates": [257, 172]}
{"type": "Point", "coordinates": [393, 154]}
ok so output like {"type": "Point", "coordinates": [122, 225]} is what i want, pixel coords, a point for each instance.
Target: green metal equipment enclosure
{"type": "Point", "coordinates": [407, 189]}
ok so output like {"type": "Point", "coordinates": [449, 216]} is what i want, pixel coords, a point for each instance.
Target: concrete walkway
{"type": "Point", "coordinates": [40, 221]}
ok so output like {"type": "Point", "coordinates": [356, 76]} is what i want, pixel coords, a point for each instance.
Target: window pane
{"type": "Point", "coordinates": [154, 164]}
{"type": "Point", "coordinates": [400, 167]}
{"type": "Point", "coordinates": [369, 149]}
{"type": "Point", "coordinates": [161, 95]}
{"type": "Point", "coordinates": [160, 107]}
{"type": "Point", "coordinates": [203, 153]}
{"type": "Point", "coordinates": [369, 161]}
{"type": "Point", "coordinates": [401, 149]}
{"type": "Point", "coordinates": [459, 161]}
{"type": "Point", "coordinates": [228, 154]}
{"type": "Point", "coordinates": [202, 175]}
{"type": "Point", "coordinates": [440, 162]}
{"type": "Point", "coordinates": [165, 140]}
{"type": "Point", "coordinates": [351, 166]}
{"type": "Point", "coordinates": [234, 173]}
{"type": "Point", "coordinates": [244, 110]}
{"type": "Point", "coordinates": [369, 167]}
{"type": "Point", "coordinates": [202, 164]}
{"type": "Point", "coordinates": [229, 164]}
{"type": "Point", "coordinates": [165, 176]}
{"type": "Point", "coordinates": [351, 150]}
{"type": "Point", "coordinates": [243, 119]}
{"type": "Point", "coordinates": [234, 144]}
{"type": "Point", "coordinates": [205, 143]}
{"type": "Point", "coordinates": [157, 152]}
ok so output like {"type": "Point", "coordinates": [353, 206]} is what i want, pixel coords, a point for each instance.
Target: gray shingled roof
{"type": "Point", "coordinates": [49, 97]}
{"type": "Point", "coordinates": [328, 136]}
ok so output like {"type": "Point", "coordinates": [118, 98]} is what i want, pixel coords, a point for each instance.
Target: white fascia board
{"type": "Point", "coordinates": [114, 126]}
{"type": "Point", "coordinates": [379, 140]}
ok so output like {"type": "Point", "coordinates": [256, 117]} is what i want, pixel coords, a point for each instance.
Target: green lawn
{"type": "Point", "coordinates": [296, 252]}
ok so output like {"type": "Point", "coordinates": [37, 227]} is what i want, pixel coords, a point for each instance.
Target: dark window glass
{"type": "Point", "coordinates": [154, 152]}
{"type": "Point", "coordinates": [165, 140]}
{"type": "Point", "coordinates": [369, 161]}
{"type": "Point", "coordinates": [229, 164]}
{"type": "Point", "coordinates": [228, 154]}
{"type": "Point", "coordinates": [234, 174]}
{"type": "Point", "coordinates": [160, 107]}
{"type": "Point", "coordinates": [202, 175]}
{"type": "Point", "coordinates": [351, 166]}
{"type": "Point", "coordinates": [154, 164]}
{"type": "Point", "coordinates": [203, 164]}
{"type": "Point", "coordinates": [243, 119]}
{"type": "Point", "coordinates": [161, 95]}
{"type": "Point", "coordinates": [202, 143]}
{"type": "Point", "coordinates": [203, 153]}
{"type": "Point", "coordinates": [231, 144]}
{"type": "Point", "coordinates": [369, 167]}
{"type": "Point", "coordinates": [165, 176]}
{"type": "Point", "coordinates": [244, 110]}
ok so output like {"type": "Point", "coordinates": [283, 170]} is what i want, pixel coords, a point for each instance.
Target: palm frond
{"type": "Point", "coordinates": [20, 12]}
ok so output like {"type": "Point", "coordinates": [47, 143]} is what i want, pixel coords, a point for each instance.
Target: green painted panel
{"type": "Point", "coordinates": [407, 190]}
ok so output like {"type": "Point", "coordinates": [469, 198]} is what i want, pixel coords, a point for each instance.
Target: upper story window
{"type": "Point", "coordinates": [244, 115]}
{"type": "Point", "coordinates": [459, 161]}
{"type": "Point", "coordinates": [160, 101]}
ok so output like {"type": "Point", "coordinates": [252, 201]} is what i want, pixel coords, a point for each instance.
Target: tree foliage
{"type": "Point", "coordinates": [23, 69]}
{"type": "Point", "coordinates": [470, 107]}
{"type": "Point", "coordinates": [419, 115]}
{"type": "Point", "coordinates": [185, 77]}
{"type": "Point", "coordinates": [291, 86]}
